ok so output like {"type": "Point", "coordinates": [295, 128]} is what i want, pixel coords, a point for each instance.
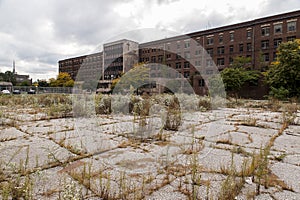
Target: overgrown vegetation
{"type": "Point", "coordinates": [184, 172]}
{"type": "Point", "coordinates": [284, 74]}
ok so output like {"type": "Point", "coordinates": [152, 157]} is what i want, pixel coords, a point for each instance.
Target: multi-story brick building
{"type": "Point", "coordinates": [196, 55]}
{"type": "Point", "coordinates": [86, 67]}
{"type": "Point", "coordinates": [257, 39]}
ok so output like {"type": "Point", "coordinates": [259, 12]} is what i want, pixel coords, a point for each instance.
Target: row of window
{"type": "Point", "coordinates": [278, 28]}
{"type": "Point", "coordinates": [220, 62]}
{"type": "Point", "coordinates": [265, 44]}
{"type": "Point", "coordinates": [265, 31]}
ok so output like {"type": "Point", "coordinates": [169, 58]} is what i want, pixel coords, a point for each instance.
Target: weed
{"type": "Point", "coordinates": [232, 185]}
{"type": "Point", "coordinates": [281, 157]}
{"type": "Point", "coordinates": [173, 116]}
{"type": "Point", "coordinates": [70, 191]}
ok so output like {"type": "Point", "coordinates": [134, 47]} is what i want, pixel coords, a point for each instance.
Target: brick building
{"type": "Point", "coordinates": [87, 65]}
{"type": "Point", "coordinates": [196, 55]}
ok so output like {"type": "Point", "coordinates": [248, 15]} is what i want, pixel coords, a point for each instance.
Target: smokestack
{"type": "Point", "coordinates": [14, 67]}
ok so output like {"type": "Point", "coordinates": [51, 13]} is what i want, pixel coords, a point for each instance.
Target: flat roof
{"type": "Point", "coordinates": [2, 83]}
{"type": "Point", "coordinates": [227, 27]}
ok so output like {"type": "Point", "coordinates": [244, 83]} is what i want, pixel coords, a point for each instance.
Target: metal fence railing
{"type": "Point", "coordinates": [41, 90]}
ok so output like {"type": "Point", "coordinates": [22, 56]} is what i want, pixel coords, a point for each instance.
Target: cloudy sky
{"type": "Point", "coordinates": [38, 33]}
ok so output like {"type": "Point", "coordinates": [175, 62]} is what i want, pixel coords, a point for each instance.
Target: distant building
{"type": "Point", "coordinates": [20, 78]}
{"type": "Point", "coordinates": [6, 86]}
{"type": "Point", "coordinates": [117, 58]}
{"type": "Point", "coordinates": [89, 65]}
{"type": "Point", "coordinates": [257, 39]}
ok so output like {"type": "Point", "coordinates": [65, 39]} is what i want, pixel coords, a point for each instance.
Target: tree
{"type": "Point", "coordinates": [8, 76]}
{"type": "Point", "coordinates": [42, 83]}
{"type": "Point", "coordinates": [25, 83]}
{"type": "Point", "coordinates": [137, 77]}
{"type": "Point", "coordinates": [242, 62]}
{"type": "Point", "coordinates": [283, 75]}
{"type": "Point", "coordinates": [63, 80]}
{"type": "Point", "coordinates": [235, 78]}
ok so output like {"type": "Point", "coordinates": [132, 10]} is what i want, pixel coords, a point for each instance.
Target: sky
{"type": "Point", "coordinates": [36, 34]}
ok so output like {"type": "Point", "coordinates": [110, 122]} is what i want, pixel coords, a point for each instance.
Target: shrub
{"type": "Point", "coordinates": [173, 116]}
{"type": "Point", "coordinates": [103, 104]}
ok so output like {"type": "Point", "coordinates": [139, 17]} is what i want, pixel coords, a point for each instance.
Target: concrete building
{"type": "Point", "coordinates": [118, 58]}
{"type": "Point", "coordinates": [194, 55]}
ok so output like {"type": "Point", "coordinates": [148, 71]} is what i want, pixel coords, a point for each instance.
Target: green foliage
{"type": "Point", "coordinates": [8, 76]}
{"type": "Point", "coordinates": [241, 62]}
{"type": "Point", "coordinates": [235, 78]}
{"type": "Point", "coordinates": [137, 77]}
{"type": "Point", "coordinates": [43, 83]}
{"type": "Point", "coordinates": [63, 80]}
{"type": "Point", "coordinates": [25, 83]}
{"type": "Point", "coordinates": [279, 93]}
{"type": "Point", "coordinates": [284, 74]}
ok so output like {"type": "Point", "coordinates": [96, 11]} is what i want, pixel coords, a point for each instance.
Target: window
{"type": "Point", "coordinates": [241, 47]}
{"type": "Point", "coordinates": [220, 38]}
{"type": "Point", "coordinates": [249, 47]}
{"type": "Point", "coordinates": [186, 44]}
{"type": "Point", "coordinates": [153, 59]}
{"type": "Point", "coordinates": [178, 65]}
{"type": "Point", "coordinates": [209, 71]}
{"type": "Point", "coordinates": [291, 26]}
{"type": "Point", "coordinates": [230, 60]}
{"type": "Point", "coordinates": [277, 42]}
{"type": "Point", "coordinates": [198, 41]}
{"type": "Point", "coordinates": [220, 61]}
{"type": "Point", "coordinates": [177, 75]}
{"type": "Point", "coordinates": [187, 55]}
{"type": "Point", "coordinates": [168, 56]}
{"type": "Point", "coordinates": [210, 52]}
{"type": "Point", "coordinates": [221, 50]}
{"type": "Point", "coordinates": [231, 36]}
{"type": "Point", "coordinates": [249, 34]}
{"type": "Point", "coordinates": [209, 62]}
{"type": "Point", "coordinates": [201, 83]}
{"type": "Point", "coordinates": [186, 65]}
{"type": "Point", "coordinates": [186, 74]}
{"type": "Point", "coordinates": [197, 63]}
{"type": "Point", "coordinates": [231, 49]}
{"type": "Point", "coordinates": [265, 31]}
{"type": "Point", "coordinates": [266, 57]}
{"type": "Point", "coordinates": [265, 44]}
{"type": "Point", "coordinates": [197, 52]}
{"type": "Point", "coordinates": [160, 58]}
{"type": "Point", "coordinates": [210, 40]}
{"type": "Point", "coordinates": [277, 28]}
{"type": "Point", "coordinates": [168, 47]}
{"type": "Point", "coordinates": [178, 45]}
{"type": "Point", "coordinates": [178, 55]}
{"type": "Point", "coordinates": [291, 38]}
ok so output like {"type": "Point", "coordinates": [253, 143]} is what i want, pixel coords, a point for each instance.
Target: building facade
{"type": "Point", "coordinates": [195, 55]}
{"type": "Point", "coordinates": [83, 67]}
